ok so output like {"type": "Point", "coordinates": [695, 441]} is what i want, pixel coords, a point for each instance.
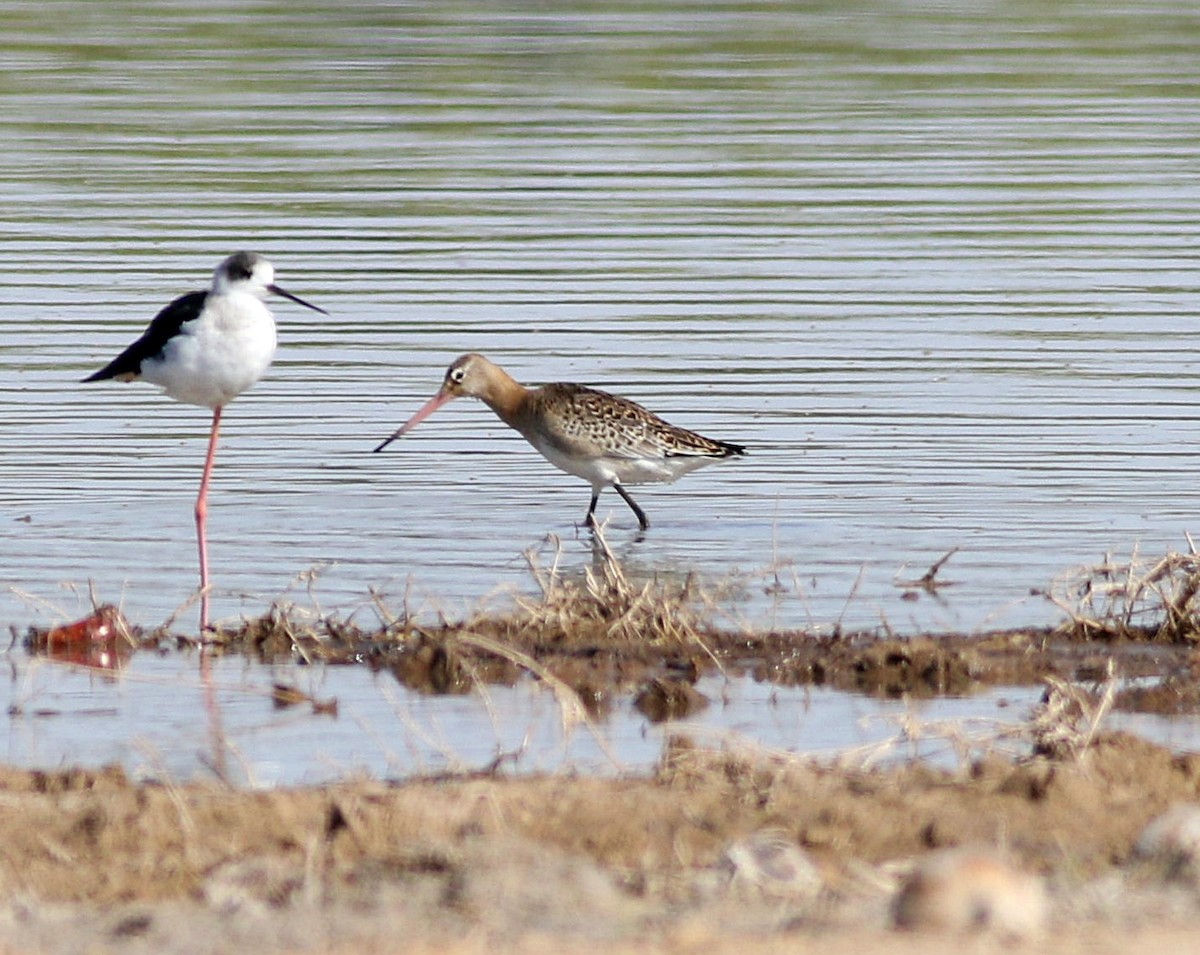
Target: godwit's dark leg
{"type": "Point", "coordinates": [641, 515]}
{"type": "Point", "coordinates": [590, 520]}
{"type": "Point", "coordinates": [202, 516]}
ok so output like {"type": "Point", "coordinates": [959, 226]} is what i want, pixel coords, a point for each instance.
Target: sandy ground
{"type": "Point", "coordinates": [717, 851]}
{"type": "Point", "coordinates": [93, 862]}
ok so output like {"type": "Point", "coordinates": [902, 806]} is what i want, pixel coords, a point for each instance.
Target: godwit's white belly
{"type": "Point", "coordinates": [609, 469]}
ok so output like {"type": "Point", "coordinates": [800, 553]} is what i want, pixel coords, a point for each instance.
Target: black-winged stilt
{"type": "Point", "coordinates": [206, 348]}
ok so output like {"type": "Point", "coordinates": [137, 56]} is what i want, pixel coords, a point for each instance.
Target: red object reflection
{"type": "Point", "coordinates": [102, 640]}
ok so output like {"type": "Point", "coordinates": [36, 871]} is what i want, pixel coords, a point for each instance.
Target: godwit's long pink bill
{"type": "Point", "coordinates": [604, 439]}
{"type": "Point", "coordinates": [206, 348]}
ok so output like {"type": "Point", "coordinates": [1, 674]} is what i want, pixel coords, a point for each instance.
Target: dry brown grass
{"type": "Point", "coordinates": [599, 605]}
{"type": "Point", "coordinates": [1069, 718]}
{"type": "Point", "coordinates": [605, 603]}
{"type": "Point", "coordinates": [1139, 599]}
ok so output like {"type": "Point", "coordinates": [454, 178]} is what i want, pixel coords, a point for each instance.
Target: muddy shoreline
{"type": "Point", "coordinates": [714, 850]}
{"type": "Point", "coordinates": [489, 863]}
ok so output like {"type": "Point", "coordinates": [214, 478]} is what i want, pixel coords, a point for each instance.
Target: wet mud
{"type": "Point", "coordinates": [1069, 846]}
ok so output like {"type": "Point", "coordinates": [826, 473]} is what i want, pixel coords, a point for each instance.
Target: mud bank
{"type": "Point", "coordinates": [94, 861]}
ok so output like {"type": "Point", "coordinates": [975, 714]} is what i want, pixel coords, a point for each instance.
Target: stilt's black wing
{"type": "Point", "coordinates": [165, 326]}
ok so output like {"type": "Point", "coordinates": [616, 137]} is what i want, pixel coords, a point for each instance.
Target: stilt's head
{"type": "Point", "coordinates": [250, 272]}
{"type": "Point", "coordinates": [471, 376]}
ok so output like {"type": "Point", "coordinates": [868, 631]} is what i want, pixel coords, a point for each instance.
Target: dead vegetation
{"type": "Point", "coordinates": [1069, 718]}
{"type": "Point", "coordinates": [603, 604]}
{"type": "Point", "coordinates": [1141, 599]}
{"type": "Point", "coordinates": [598, 634]}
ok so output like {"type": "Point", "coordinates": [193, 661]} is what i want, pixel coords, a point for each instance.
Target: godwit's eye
{"type": "Point", "coordinates": [457, 375]}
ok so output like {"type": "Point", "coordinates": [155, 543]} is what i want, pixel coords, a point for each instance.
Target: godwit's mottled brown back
{"type": "Point", "coordinates": [580, 417]}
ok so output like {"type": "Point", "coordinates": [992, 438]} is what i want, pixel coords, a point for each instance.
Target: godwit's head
{"type": "Point", "coordinates": [469, 376]}
{"type": "Point", "coordinates": [472, 376]}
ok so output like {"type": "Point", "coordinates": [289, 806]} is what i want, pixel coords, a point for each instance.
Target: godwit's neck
{"type": "Point", "coordinates": [506, 396]}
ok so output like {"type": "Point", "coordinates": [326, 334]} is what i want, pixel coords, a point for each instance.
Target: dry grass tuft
{"type": "Point", "coordinates": [1139, 599]}
{"type": "Point", "coordinates": [603, 602]}
{"type": "Point", "coordinates": [1069, 717]}
{"type": "Point", "coordinates": [598, 607]}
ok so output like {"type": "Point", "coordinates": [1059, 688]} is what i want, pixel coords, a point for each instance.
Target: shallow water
{"type": "Point", "coordinates": [147, 718]}
{"type": "Point", "coordinates": [150, 717]}
{"type": "Point", "coordinates": [931, 263]}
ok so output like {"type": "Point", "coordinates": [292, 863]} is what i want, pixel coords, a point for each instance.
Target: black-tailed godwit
{"type": "Point", "coordinates": [602, 438]}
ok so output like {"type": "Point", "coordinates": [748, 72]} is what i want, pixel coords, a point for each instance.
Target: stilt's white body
{"type": "Point", "coordinates": [225, 350]}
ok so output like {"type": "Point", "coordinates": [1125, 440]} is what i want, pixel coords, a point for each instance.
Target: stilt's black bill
{"type": "Point", "coordinates": [296, 298]}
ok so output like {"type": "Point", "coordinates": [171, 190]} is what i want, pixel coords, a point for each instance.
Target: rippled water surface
{"type": "Point", "coordinates": [933, 263]}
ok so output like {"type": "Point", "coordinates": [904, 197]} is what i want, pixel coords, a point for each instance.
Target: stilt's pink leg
{"type": "Point", "coordinates": [202, 517]}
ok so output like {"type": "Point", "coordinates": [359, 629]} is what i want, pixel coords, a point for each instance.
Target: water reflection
{"type": "Point", "coordinates": [349, 720]}
{"type": "Point", "coordinates": [925, 262]}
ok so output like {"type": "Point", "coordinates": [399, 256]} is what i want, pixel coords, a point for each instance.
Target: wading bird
{"type": "Point", "coordinates": [606, 440]}
{"type": "Point", "coordinates": [206, 348]}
